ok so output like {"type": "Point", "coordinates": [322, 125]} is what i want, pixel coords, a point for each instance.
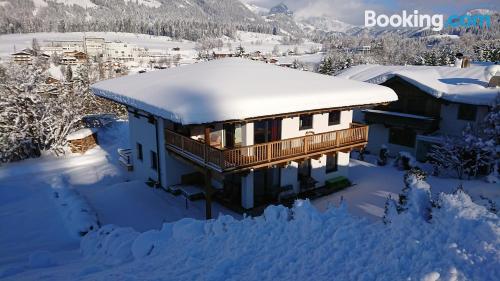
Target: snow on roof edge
{"type": "Point", "coordinates": [138, 104]}
{"type": "Point", "coordinates": [156, 111]}
{"type": "Point", "coordinates": [386, 74]}
{"type": "Point", "coordinates": [226, 90]}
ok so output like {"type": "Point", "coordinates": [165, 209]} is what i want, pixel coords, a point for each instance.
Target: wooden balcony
{"type": "Point", "coordinates": [270, 153]}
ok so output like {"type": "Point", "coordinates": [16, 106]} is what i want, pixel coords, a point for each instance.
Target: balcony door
{"type": "Point", "coordinates": [267, 130]}
{"type": "Point", "coordinates": [232, 136]}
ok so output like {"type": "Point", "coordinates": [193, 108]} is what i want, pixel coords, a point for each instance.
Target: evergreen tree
{"type": "Point", "coordinates": [326, 66]}
{"type": "Point", "coordinates": [240, 51]}
{"type": "Point", "coordinates": [69, 74]}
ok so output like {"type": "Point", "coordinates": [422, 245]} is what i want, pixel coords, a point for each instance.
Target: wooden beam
{"type": "Point", "coordinates": [208, 178]}
{"type": "Point", "coordinates": [208, 194]}
{"type": "Point", "coordinates": [296, 158]}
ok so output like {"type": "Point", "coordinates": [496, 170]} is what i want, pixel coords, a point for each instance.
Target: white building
{"type": "Point", "coordinates": [433, 102]}
{"type": "Point", "coordinates": [123, 52]}
{"type": "Point", "coordinates": [256, 132]}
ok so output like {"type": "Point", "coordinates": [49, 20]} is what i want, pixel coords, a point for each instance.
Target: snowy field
{"type": "Point", "coordinates": [347, 242]}
{"type": "Point", "coordinates": [20, 41]}
{"type": "Point", "coordinates": [250, 41]}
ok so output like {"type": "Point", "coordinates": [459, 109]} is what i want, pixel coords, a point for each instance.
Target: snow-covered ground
{"type": "Point", "coordinates": [9, 42]}
{"type": "Point", "coordinates": [248, 40]}
{"type": "Point", "coordinates": [350, 243]}
{"type": "Point", "coordinates": [374, 184]}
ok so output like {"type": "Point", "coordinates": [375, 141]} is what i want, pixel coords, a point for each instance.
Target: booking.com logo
{"type": "Point", "coordinates": [435, 22]}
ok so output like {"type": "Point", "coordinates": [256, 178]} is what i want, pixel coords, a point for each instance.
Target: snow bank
{"type": "Point", "coordinates": [109, 245]}
{"type": "Point", "coordinates": [80, 218]}
{"type": "Point", "coordinates": [462, 241]}
{"type": "Point", "coordinates": [40, 259]}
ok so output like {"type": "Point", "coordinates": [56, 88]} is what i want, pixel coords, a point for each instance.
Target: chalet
{"type": "Point", "coordinates": [272, 60]}
{"type": "Point", "coordinates": [221, 55]}
{"type": "Point", "coordinates": [24, 56]}
{"type": "Point", "coordinates": [433, 102]}
{"type": "Point", "coordinates": [253, 132]}
{"type": "Point", "coordinates": [74, 57]}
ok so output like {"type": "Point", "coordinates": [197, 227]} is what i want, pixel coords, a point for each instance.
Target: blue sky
{"type": "Point", "coordinates": [352, 11]}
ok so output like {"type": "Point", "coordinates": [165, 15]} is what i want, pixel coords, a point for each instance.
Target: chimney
{"type": "Point", "coordinates": [459, 59]}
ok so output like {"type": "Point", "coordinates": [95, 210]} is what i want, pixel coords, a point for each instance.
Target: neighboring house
{"type": "Point", "coordinates": [24, 56]}
{"type": "Point", "coordinates": [74, 58]}
{"type": "Point", "coordinates": [124, 52]}
{"type": "Point", "coordinates": [255, 131]}
{"type": "Point", "coordinates": [221, 55]}
{"type": "Point", "coordinates": [433, 102]}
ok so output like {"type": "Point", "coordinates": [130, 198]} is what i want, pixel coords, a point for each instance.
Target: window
{"type": "Point", "coordinates": [139, 151]}
{"type": "Point", "coordinates": [154, 161]}
{"type": "Point", "coordinates": [333, 118]}
{"type": "Point", "coordinates": [466, 112]}
{"type": "Point", "coordinates": [331, 163]}
{"type": "Point", "coordinates": [306, 122]}
{"type": "Point", "coordinates": [400, 136]}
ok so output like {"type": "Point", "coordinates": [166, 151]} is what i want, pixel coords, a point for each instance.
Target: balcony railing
{"type": "Point", "coordinates": [267, 153]}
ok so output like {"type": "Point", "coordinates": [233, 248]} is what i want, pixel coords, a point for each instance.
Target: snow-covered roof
{"type": "Point", "coordinates": [236, 89]}
{"type": "Point", "coordinates": [80, 134]}
{"type": "Point", "coordinates": [463, 85]}
{"type": "Point", "coordinates": [55, 72]}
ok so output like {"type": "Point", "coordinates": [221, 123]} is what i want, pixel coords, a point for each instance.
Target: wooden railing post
{"type": "Point", "coordinates": [207, 144]}
{"type": "Point", "coordinates": [256, 154]}
{"type": "Point", "coordinates": [306, 144]}
{"type": "Point", "coordinates": [269, 152]}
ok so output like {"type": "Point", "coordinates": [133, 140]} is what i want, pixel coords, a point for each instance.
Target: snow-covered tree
{"type": "Point", "coordinates": [415, 199]}
{"type": "Point", "coordinates": [491, 132]}
{"type": "Point", "coordinates": [240, 51]}
{"type": "Point", "coordinates": [276, 50]}
{"type": "Point", "coordinates": [326, 66]}
{"type": "Point", "coordinates": [469, 155]}
{"type": "Point", "coordinates": [69, 74]}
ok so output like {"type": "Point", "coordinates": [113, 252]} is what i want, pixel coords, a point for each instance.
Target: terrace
{"type": "Point", "coordinates": [265, 154]}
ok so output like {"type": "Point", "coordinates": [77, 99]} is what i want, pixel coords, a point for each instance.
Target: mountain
{"type": "Point", "coordinates": [323, 23]}
{"type": "Point", "coordinates": [260, 11]}
{"type": "Point", "coordinates": [281, 8]}
{"type": "Point", "coordinates": [481, 11]}
{"type": "Point", "coordinates": [188, 19]}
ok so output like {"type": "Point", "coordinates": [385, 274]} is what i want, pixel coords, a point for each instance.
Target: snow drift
{"type": "Point", "coordinates": [460, 242]}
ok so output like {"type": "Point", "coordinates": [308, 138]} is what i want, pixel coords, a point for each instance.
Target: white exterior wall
{"type": "Point", "coordinates": [247, 188]}
{"type": "Point", "coordinates": [449, 125]}
{"type": "Point", "coordinates": [318, 170]}
{"type": "Point", "coordinates": [143, 132]}
{"type": "Point", "coordinates": [247, 133]}
{"type": "Point", "coordinates": [120, 51]}
{"type": "Point", "coordinates": [290, 126]}
{"type": "Point", "coordinates": [289, 176]}
{"type": "Point", "coordinates": [452, 126]}
{"type": "Point", "coordinates": [378, 135]}
{"type": "Point", "coordinates": [290, 129]}
{"type": "Point", "coordinates": [247, 195]}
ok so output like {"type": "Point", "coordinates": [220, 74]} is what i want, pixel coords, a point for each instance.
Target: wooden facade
{"type": "Point", "coordinates": [411, 100]}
